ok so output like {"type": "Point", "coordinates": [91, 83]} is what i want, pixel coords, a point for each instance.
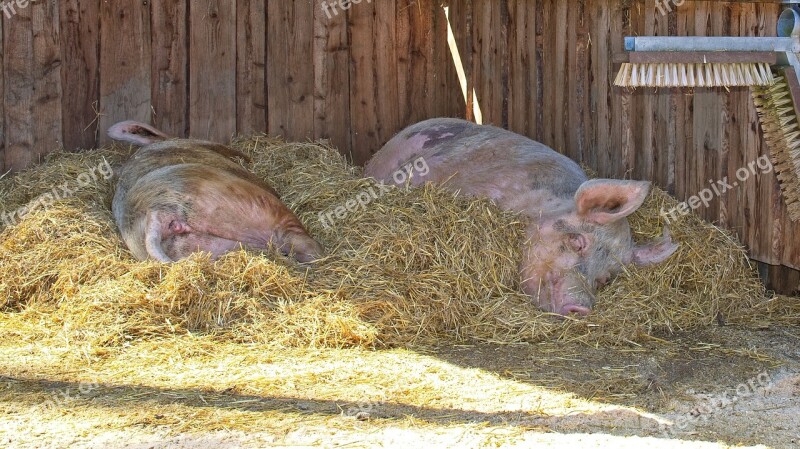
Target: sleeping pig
{"type": "Point", "coordinates": [578, 235]}
{"type": "Point", "coordinates": [178, 196]}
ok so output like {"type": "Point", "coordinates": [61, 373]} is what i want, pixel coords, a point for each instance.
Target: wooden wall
{"type": "Point", "coordinates": [214, 68]}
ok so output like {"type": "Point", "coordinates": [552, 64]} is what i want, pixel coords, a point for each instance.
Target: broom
{"type": "Point", "coordinates": [735, 61]}
{"type": "Point", "coordinates": [776, 106]}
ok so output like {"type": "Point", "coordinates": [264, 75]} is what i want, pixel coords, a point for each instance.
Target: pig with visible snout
{"type": "Point", "coordinates": [578, 236]}
{"type": "Point", "coordinates": [179, 196]}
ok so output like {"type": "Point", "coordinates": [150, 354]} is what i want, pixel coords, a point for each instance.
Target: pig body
{"type": "Point", "coordinates": [178, 196]}
{"type": "Point", "coordinates": [578, 234]}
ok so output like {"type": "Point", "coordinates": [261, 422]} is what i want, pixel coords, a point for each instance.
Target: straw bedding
{"type": "Point", "coordinates": [412, 267]}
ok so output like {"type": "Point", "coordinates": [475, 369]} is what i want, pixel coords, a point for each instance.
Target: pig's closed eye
{"type": "Point", "coordinates": [578, 242]}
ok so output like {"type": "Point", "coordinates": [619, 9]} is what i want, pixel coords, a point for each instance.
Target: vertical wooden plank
{"type": "Point", "coordinates": [290, 79]}
{"type": "Point", "coordinates": [716, 162]}
{"type": "Point", "coordinates": [125, 59]}
{"type": "Point", "coordinates": [560, 82]}
{"type": "Point", "coordinates": [332, 79]}
{"type": "Point", "coordinates": [3, 135]}
{"type": "Point", "coordinates": [781, 279]}
{"type": "Point", "coordinates": [533, 83]}
{"type": "Point", "coordinates": [791, 247]}
{"type": "Point", "coordinates": [704, 105]}
{"type": "Point", "coordinates": [80, 43]}
{"type": "Point", "coordinates": [729, 25]}
{"type": "Point", "coordinates": [519, 90]}
{"type": "Point", "coordinates": [47, 130]}
{"type": "Point", "coordinates": [686, 155]}
{"type": "Point", "coordinates": [744, 135]}
{"type": "Point", "coordinates": [251, 88]}
{"type": "Point", "coordinates": [447, 100]}
{"type": "Point", "coordinates": [501, 39]}
{"type": "Point", "coordinates": [363, 66]}
{"type": "Point", "coordinates": [212, 73]}
{"type": "Point", "coordinates": [540, 70]}
{"type": "Point", "coordinates": [572, 99]}
{"type": "Point", "coordinates": [753, 192]}
{"type": "Point", "coordinates": [170, 68]}
{"type": "Point", "coordinates": [403, 32]}
{"type": "Point", "coordinates": [423, 67]}
{"type": "Point", "coordinates": [665, 125]}
{"type": "Point", "coordinates": [18, 65]}
{"type": "Point", "coordinates": [624, 23]}
{"type": "Point", "coordinates": [645, 100]}
{"type": "Point", "coordinates": [548, 69]}
{"type": "Point", "coordinates": [580, 124]}
{"type": "Point", "coordinates": [385, 54]}
{"type": "Point", "coordinates": [489, 61]}
{"type": "Point", "coordinates": [461, 23]}
{"type": "Point", "coordinates": [602, 72]}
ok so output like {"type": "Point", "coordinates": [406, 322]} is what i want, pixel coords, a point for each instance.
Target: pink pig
{"type": "Point", "coordinates": [578, 236]}
{"type": "Point", "coordinates": [178, 196]}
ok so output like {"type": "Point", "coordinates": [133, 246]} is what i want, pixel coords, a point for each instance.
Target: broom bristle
{"type": "Point", "coordinates": [780, 125]}
{"type": "Point", "coordinates": [694, 75]}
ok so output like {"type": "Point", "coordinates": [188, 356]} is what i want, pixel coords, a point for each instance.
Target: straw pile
{"type": "Point", "coordinates": [412, 267]}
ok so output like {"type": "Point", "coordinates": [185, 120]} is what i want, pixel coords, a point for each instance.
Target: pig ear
{"type": "Point", "coordinates": [656, 251]}
{"type": "Point", "coordinates": [604, 201]}
{"type": "Point", "coordinates": [137, 133]}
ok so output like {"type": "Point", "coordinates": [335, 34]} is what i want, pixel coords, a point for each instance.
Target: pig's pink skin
{"type": "Point", "coordinates": [578, 236]}
{"type": "Point", "coordinates": [176, 197]}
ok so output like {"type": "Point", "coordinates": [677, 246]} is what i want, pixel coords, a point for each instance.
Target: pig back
{"type": "Point", "coordinates": [176, 152]}
{"type": "Point", "coordinates": [480, 160]}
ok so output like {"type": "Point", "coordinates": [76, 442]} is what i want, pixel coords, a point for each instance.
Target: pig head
{"type": "Point", "coordinates": [578, 236]}
{"type": "Point", "coordinates": [176, 197]}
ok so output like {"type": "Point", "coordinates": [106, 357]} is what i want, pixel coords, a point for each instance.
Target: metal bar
{"type": "Point", "coordinates": [701, 43]}
{"type": "Point", "coordinates": [699, 57]}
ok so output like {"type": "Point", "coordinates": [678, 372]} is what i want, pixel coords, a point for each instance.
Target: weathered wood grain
{"type": "Point", "coordinates": [125, 58]}
{"type": "Point", "coordinates": [365, 122]}
{"type": "Point", "coordinates": [19, 91]}
{"type": "Point", "coordinates": [3, 161]}
{"type": "Point", "coordinates": [47, 126]}
{"type": "Point", "coordinates": [170, 67]}
{"type": "Point", "coordinates": [212, 69]}
{"type": "Point", "coordinates": [251, 54]}
{"type": "Point", "coordinates": [80, 72]}
{"type": "Point", "coordinates": [461, 22]}
{"type": "Point", "coordinates": [332, 79]}
{"type": "Point", "coordinates": [290, 71]}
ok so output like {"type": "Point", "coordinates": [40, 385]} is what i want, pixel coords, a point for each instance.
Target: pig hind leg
{"type": "Point", "coordinates": [157, 229]}
{"type": "Point", "coordinates": [169, 238]}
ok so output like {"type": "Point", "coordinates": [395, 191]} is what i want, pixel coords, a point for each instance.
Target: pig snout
{"type": "Point", "coordinates": [560, 294]}
{"type": "Point", "coordinates": [572, 308]}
